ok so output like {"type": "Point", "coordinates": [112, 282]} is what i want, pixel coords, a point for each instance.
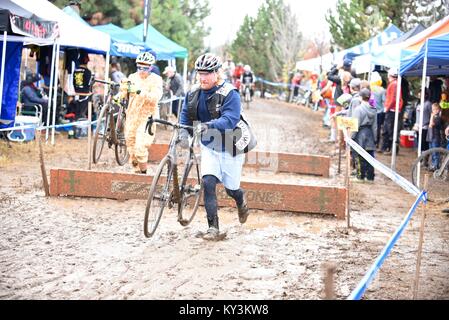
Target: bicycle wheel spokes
{"type": "Point", "coordinates": [435, 163]}
{"type": "Point", "coordinates": [158, 198]}
{"type": "Point", "coordinates": [101, 134]}
{"type": "Point", "coordinates": [121, 152]}
{"type": "Point", "coordinates": [191, 188]}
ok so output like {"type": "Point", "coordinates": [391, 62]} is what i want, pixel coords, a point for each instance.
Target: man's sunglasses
{"type": "Point", "coordinates": [141, 68]}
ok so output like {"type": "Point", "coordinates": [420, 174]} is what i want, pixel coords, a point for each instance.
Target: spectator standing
{"type": "Point", "coordinates": [82, 77]}
{"type": "Point", "coordinates": [176, 86]}
{"type": "Point", "coordinates": [116, 74]}
{"type": "Point", "coordinates": [434, 134]}
{"type": "Point", "coordinates": [378, 94]}
{"type": "Point", "coordinates": [365, 136]}
{"type": "Point", "coordinates": [390, 111]}
{"type": "Point", "coordinates": [426, 120]}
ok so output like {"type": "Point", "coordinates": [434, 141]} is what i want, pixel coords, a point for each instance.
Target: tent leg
{"type": "Point", "coordinates": [50, 91]}
{"type": "Point", "coordinates": [55, 97]}
{"type": "Point", "coordinates": [2, 75]}
{"type": "Point", "coordinates": [184, 76]}
{"type": "Point", "coordinates": [421, 115]}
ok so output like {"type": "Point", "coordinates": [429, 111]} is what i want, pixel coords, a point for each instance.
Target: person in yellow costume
{"type": "Point", "coordinates": [145, 92]}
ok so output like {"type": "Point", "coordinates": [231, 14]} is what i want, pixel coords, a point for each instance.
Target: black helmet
{"type": "Point", "coordinates": [31, 78]}
{"type": "Point", "coordinates": [207, 62]}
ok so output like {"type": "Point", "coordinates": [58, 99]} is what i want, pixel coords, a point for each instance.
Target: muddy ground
{"type": "Point", "coordinates": [75, 248]}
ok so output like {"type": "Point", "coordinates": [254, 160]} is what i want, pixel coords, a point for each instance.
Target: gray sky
{"type": "Point", "coordinates": [227, 16]}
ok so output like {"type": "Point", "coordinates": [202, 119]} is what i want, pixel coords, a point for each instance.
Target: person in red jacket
{"type": "Point", "coordinates": [390, 111]}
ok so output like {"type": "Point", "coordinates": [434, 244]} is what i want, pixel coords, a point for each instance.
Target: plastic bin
{"type": "Point", "coordinates": [24, 134]}
{"type": "Point", "coordinates": [407, 138]}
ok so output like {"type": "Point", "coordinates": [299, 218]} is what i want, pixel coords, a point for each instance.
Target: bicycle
{"type": "Point", "coordinates": [438, 184]}
{"type": "Point", "coordinates": [247, 95]}
{"type": "Point", "coordinates": [110, 126]}
{"type": "Point", "coordinates": [165, 189]}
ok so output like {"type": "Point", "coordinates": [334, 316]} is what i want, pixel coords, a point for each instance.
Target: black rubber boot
{"type": "Point", "coordinates": [213, 233]}
{"type": "Point", "coordinates": [243, 210]}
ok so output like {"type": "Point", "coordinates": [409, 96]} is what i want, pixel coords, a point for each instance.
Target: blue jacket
{"type": "Point", "coordinates": [229, 116]}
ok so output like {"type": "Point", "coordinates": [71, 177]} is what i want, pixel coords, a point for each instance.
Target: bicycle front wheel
{"type": "Point", "coordinates": [191, 188]}
{"type": "Point", "coordinates": [121, 152]}
{"type": "Point", "coordinates": [160, 194]}
{"type": "Point", "coordinates": [435, 163]}
{"type": "Point", "coordinates": [101, 133]}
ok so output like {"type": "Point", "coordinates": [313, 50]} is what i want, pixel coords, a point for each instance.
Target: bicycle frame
{"type": "Point", "coordinates": [172, 155]}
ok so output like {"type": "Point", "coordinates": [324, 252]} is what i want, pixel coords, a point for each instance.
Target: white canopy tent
{"type": "Point", "coordinates": [72, 33]}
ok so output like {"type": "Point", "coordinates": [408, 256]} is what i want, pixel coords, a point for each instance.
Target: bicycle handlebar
{"type": "Point", "coordinates": [150, 122]}
{"type": "Point", "coordinates": [113, 84]}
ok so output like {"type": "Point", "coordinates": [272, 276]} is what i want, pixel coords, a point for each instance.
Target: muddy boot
{"type": "Point", "coordinates": [213, 233]}
{"type": "Point", "coordinates": [243, 210]}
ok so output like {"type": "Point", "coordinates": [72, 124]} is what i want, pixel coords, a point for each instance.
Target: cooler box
{"type": "Point", "coordinates": [23, 134]}
{"type": "Point", "coordinates": [407, 138]}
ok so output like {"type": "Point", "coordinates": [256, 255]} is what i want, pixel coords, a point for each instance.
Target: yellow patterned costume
{"type": "Point", "coordinates": [140, 107]}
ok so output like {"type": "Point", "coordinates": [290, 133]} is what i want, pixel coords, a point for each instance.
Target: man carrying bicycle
{"type": "Point", "coordinates": [216, 104]}
{"type": "Point", "coordinates": [145, 93]}
{"type": "Point", "coordinates": [247, 79]}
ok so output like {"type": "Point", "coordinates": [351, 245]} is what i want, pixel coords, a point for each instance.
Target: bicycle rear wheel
{"type": "Point", "coordinates": [160, 194]}
{"type": "Point", "coordinates": [191, 188]}
{"type": "Point", "coordinates": [247, 98]}
{"type": "Point", "coordinates": [121, 152]}
{"type": "Point", "coordinates": [438, 185]}
{"type": "Point", "coordinates": [101, 133]}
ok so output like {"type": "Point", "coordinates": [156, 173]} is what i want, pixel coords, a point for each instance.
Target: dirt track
{"type": "Point", "coordinates": [73, 248]}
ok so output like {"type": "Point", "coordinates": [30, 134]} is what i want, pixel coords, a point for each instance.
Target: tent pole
{"type": "Point", "coordinates": [2, 75]}
{"type": "Point", "coordinates": [50, 91]}
{"type": "Point", "coordinates": [63, 82]}
{"type": "Point", "coordinates": [55, 98]}
{"type": "Point", "coordinates": [26, 63]}
{"type": "Point", "coordinates": [106, 74]}
{"type": "Point", "coordinates": [184, 76]}
{"type": "Point", "coordinates": [396, 124]}
{"type": "Point", "coordinates": [421, 114]}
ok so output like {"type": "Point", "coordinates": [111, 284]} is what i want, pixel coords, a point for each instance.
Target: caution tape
{"type": "Point", "coordinates": [369, 276]}
{"type": "Point", "coordinates": [407, 186]}
{"type": "Point", "coordinates": [398, 179]}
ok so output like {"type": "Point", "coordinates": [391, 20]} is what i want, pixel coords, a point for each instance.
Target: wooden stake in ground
{"type": "Point", "coordinates": [339, 156]}
{"type": "Point", "coordinates": [329, 271]}
{"type": "Point", "coordinates": [420, 244]}
{"type": "Point", "coordinates": [41, 159]}
{"type": "Point", "coordinates": [89, 134]}
{"type": "Point", "coordinates": [348, 173]}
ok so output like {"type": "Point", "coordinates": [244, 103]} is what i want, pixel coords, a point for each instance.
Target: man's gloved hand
{"type": "Point", "coordinates": [183, 139]}
{"type": "Point", "coordinates": [116, 99]}
{"type": "Point", "coordinates": [202, 128]}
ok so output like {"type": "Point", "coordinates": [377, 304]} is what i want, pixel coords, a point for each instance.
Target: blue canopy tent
{"type": "Point", "coordinates": [390, 33]}
{"type": "Point", "coordinates": [165, 48]}
{"type": "Point", "coordinates": [390, 54]}
{"type": "Point", "coordinates": [361, 54]}
{"type": "Point", "coordinates": [123, 42]}
{"type": "Point", "coordinates": [433, 57]}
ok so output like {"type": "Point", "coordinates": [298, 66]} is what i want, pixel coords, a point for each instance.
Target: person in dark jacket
{"type": "Point", "coordinates": [366, 136]}
{"type": "Point", "coordinates": [175, 84]}
{"type": "Point", "coordinates": [216, 105]}
{"type": "Point", "coordinates": [31, 96]}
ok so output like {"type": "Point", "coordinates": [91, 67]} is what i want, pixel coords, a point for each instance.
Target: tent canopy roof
{"type": "Point", "coordinates": [72, 33]}
{"type": "Point", "coordinates": [123, 42]}
{"type": "Point", "coordinates": [165, 48]}
{"type": "Point", "coordinates": [437, 58]}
